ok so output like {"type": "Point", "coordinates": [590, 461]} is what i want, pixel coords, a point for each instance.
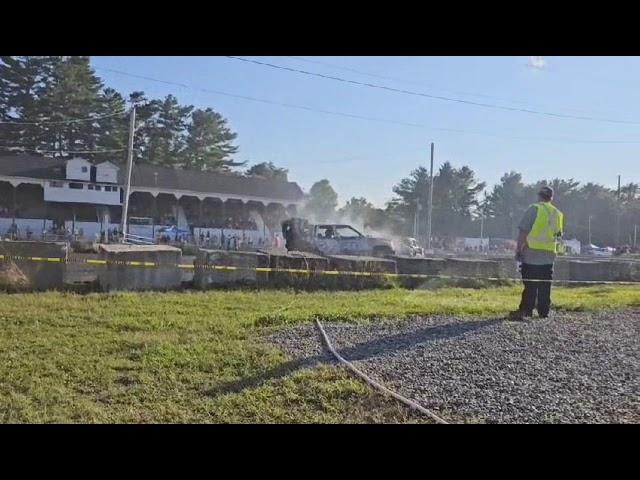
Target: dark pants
{"type": "Point", "coordinates": [536, 294]}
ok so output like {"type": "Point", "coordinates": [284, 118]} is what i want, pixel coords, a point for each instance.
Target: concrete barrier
{"type": "Point", "coordinates": [419, 266]}
{"type": "Point", "coordinates": [624, 271]}
{"type": "Point", "coordinates": [507, 267]}
{"type": "Point", "coordinates": [604, 270]}
{"type": "Point", "coordinates": [188, 273]}
{"type": "Point", "coordinates": [635, 272]}
{"type": "Point", "coordinates": [117, 275]}
{"type": "Point", "coordinates": [79, 272]}
{"type": "Point", "coordinates": [349, 263]}
{"type": "Point", "coordinates": [205, 277]}
{"type": "Point", "coordinates": [114, 276]}
{"type": "Point", "coordinates": [298, 261]}
{"type": "Point", "coordinates": [463, 272]}
{"type": "Point", "coordinates": [588, 271]}
{"type": "Point", "coordinates": [33, 275]}
{"type": "Point", "coordinates": [562, 270]}
{"type": "Point", "coordinates": [471, 268]}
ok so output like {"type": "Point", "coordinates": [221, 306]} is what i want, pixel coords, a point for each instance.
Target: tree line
{"type": "Point", "coordinates": [41, 97]}
{"type": "Point", "coordinates": [463, 207]}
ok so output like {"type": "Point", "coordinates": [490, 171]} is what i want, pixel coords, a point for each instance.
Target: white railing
{"type": "Point", "coordinates": [138, 240]}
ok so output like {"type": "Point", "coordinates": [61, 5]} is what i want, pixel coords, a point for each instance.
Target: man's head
{"type": "Point", "coordinates": [545, 194]}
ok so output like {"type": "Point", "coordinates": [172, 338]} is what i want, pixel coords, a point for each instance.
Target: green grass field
{"type": "Point", "coordinates": [199, 357]}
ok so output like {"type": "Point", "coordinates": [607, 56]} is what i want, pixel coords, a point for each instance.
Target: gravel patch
{"type": "Point", "coordinates": [571, 368]}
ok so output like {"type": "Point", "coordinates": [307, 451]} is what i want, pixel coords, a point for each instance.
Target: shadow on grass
{"type": "Point", "coordinates": [360, 351]}
{"type": "Point", "coordinates": [282, 370]}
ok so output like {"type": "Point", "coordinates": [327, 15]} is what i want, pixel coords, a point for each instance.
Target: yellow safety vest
{"type": "Point", "coordinates": [549, 222]}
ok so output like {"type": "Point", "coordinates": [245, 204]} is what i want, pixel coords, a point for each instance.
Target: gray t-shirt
{"type": "Point", "coordinates": [529, 255]}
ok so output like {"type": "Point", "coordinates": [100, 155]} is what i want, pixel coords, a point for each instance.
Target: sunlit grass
{"type": "Point", "coordinates": [184, 357]}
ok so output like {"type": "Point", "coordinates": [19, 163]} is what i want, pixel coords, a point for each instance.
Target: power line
{"type": "Point", "coordinates": [362, 117]}
{"type": "Point", "coordinates": [396, 79]}
{"type": "Point", "coordinates": [271, 102]}
{"type": "Point", "coordinates": [35, 150]}
{"type": "Point", "coordinates": [22, 144]}
{"type": "Point", "coordinates": [59, 122]}
{"type": "Point", "coordinates": [436, 97]}
{"type": "Point", "coordinates": [414, 82]}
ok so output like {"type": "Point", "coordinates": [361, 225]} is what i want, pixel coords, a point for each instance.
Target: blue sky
{"type": "Point", "coordinates": [366, 158]}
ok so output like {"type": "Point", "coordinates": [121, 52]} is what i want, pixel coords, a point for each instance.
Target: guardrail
{"type": "Point", "coordinates": [138, 240]}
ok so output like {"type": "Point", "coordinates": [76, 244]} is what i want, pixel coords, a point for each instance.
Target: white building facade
{"type": "Point", "coordinates": [57, 192]}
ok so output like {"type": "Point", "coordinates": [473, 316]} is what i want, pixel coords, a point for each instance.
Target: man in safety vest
{"type": "Point", "coordinates": [538, 243]}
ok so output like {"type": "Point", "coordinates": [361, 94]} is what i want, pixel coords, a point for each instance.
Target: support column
{"type": "Point", "coordinates": [73, 222]}
{"type": "Point", "coordinates": [243, 218]}
{"type": "Point", "coordinates": [177, 210]}
{"type": "Point", "coordinates": [14, 203]}
{"type": "Point", "coordinates": [44, 221]}
{"type": "Point", "coordinates": [154, 214]}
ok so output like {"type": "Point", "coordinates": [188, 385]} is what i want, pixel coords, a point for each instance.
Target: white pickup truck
{"type": "Point", "coordinates": [332, 239]}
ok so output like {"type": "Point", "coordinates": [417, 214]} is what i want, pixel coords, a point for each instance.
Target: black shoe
{"type": "Point", "coordinates": [519, 316]}
{"type": "Point", "coordinates": [544, 315]}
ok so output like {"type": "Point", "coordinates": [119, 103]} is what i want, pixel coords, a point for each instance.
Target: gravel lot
{"type": "Point", "coordinates": [572, 368]}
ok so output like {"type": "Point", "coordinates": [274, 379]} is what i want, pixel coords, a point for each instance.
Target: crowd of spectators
{"type": "Point", "coordinates": [228, 242]}
{"type": "Point", "coordinates": [232, 223]}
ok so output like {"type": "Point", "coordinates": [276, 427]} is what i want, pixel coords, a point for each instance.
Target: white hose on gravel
{"type": "Point", "coordinates": [372, 382]}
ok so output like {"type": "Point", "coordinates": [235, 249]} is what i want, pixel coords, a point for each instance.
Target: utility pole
{"type": "Point", "coordinates": [618, 187]}
{"type": "Point", "coordinates": [14, 204]}
{"type": "Point", "coordinates": [430, 209]}
{"type": "Point", "coordinates": [481, 231]}
{"type": "Point", "coordinates": [635, 236]}
{"type": "Point", "coordinates": [618, 208]}
{"type": "Point", "coordinates": [589, 229]}
{"type": "Point", "coordinates": [127, 185]}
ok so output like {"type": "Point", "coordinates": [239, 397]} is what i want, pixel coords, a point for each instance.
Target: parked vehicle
{"type": "Point", "coordinates": [601, 252]}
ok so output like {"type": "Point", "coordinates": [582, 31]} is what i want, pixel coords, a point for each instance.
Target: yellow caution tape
{"type": "Point", "coordinates": [229, 268]}
{"type": "Point", "coordinates": [293, 270]}
{"type": "Point", "coordinates": [135, 263]}
{"type": "Point", "coordinates": [91, 261]}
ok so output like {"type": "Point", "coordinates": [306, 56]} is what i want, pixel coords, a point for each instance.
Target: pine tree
{"type": "Point", "coordinates": [23, 82]}
{"type": "Point", "coordinates": [166, 135]}
{"type": "Point", "coordinates": [357, 211]}
{"type": "Point", "coordinates": [322, 201]}
{"type": "Point", "coordinates": [412, 197]}
{"type": "Point", "coordinates": [113, 130]}
{"type": "Point", "coordinates": [74, 93]}
{"type": "Point", "coordinates": [455, 199]}
{"type": "Point", "coordinates": [505, 205]}
{"type": "Point", "coordinates": [146, 113]}
{"type": "Point", "coordinates": [268, 170]}
{"type": "Point", "coordinates": [60, 89]}
{"type": "Point", "coordinates": [209, 142]}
